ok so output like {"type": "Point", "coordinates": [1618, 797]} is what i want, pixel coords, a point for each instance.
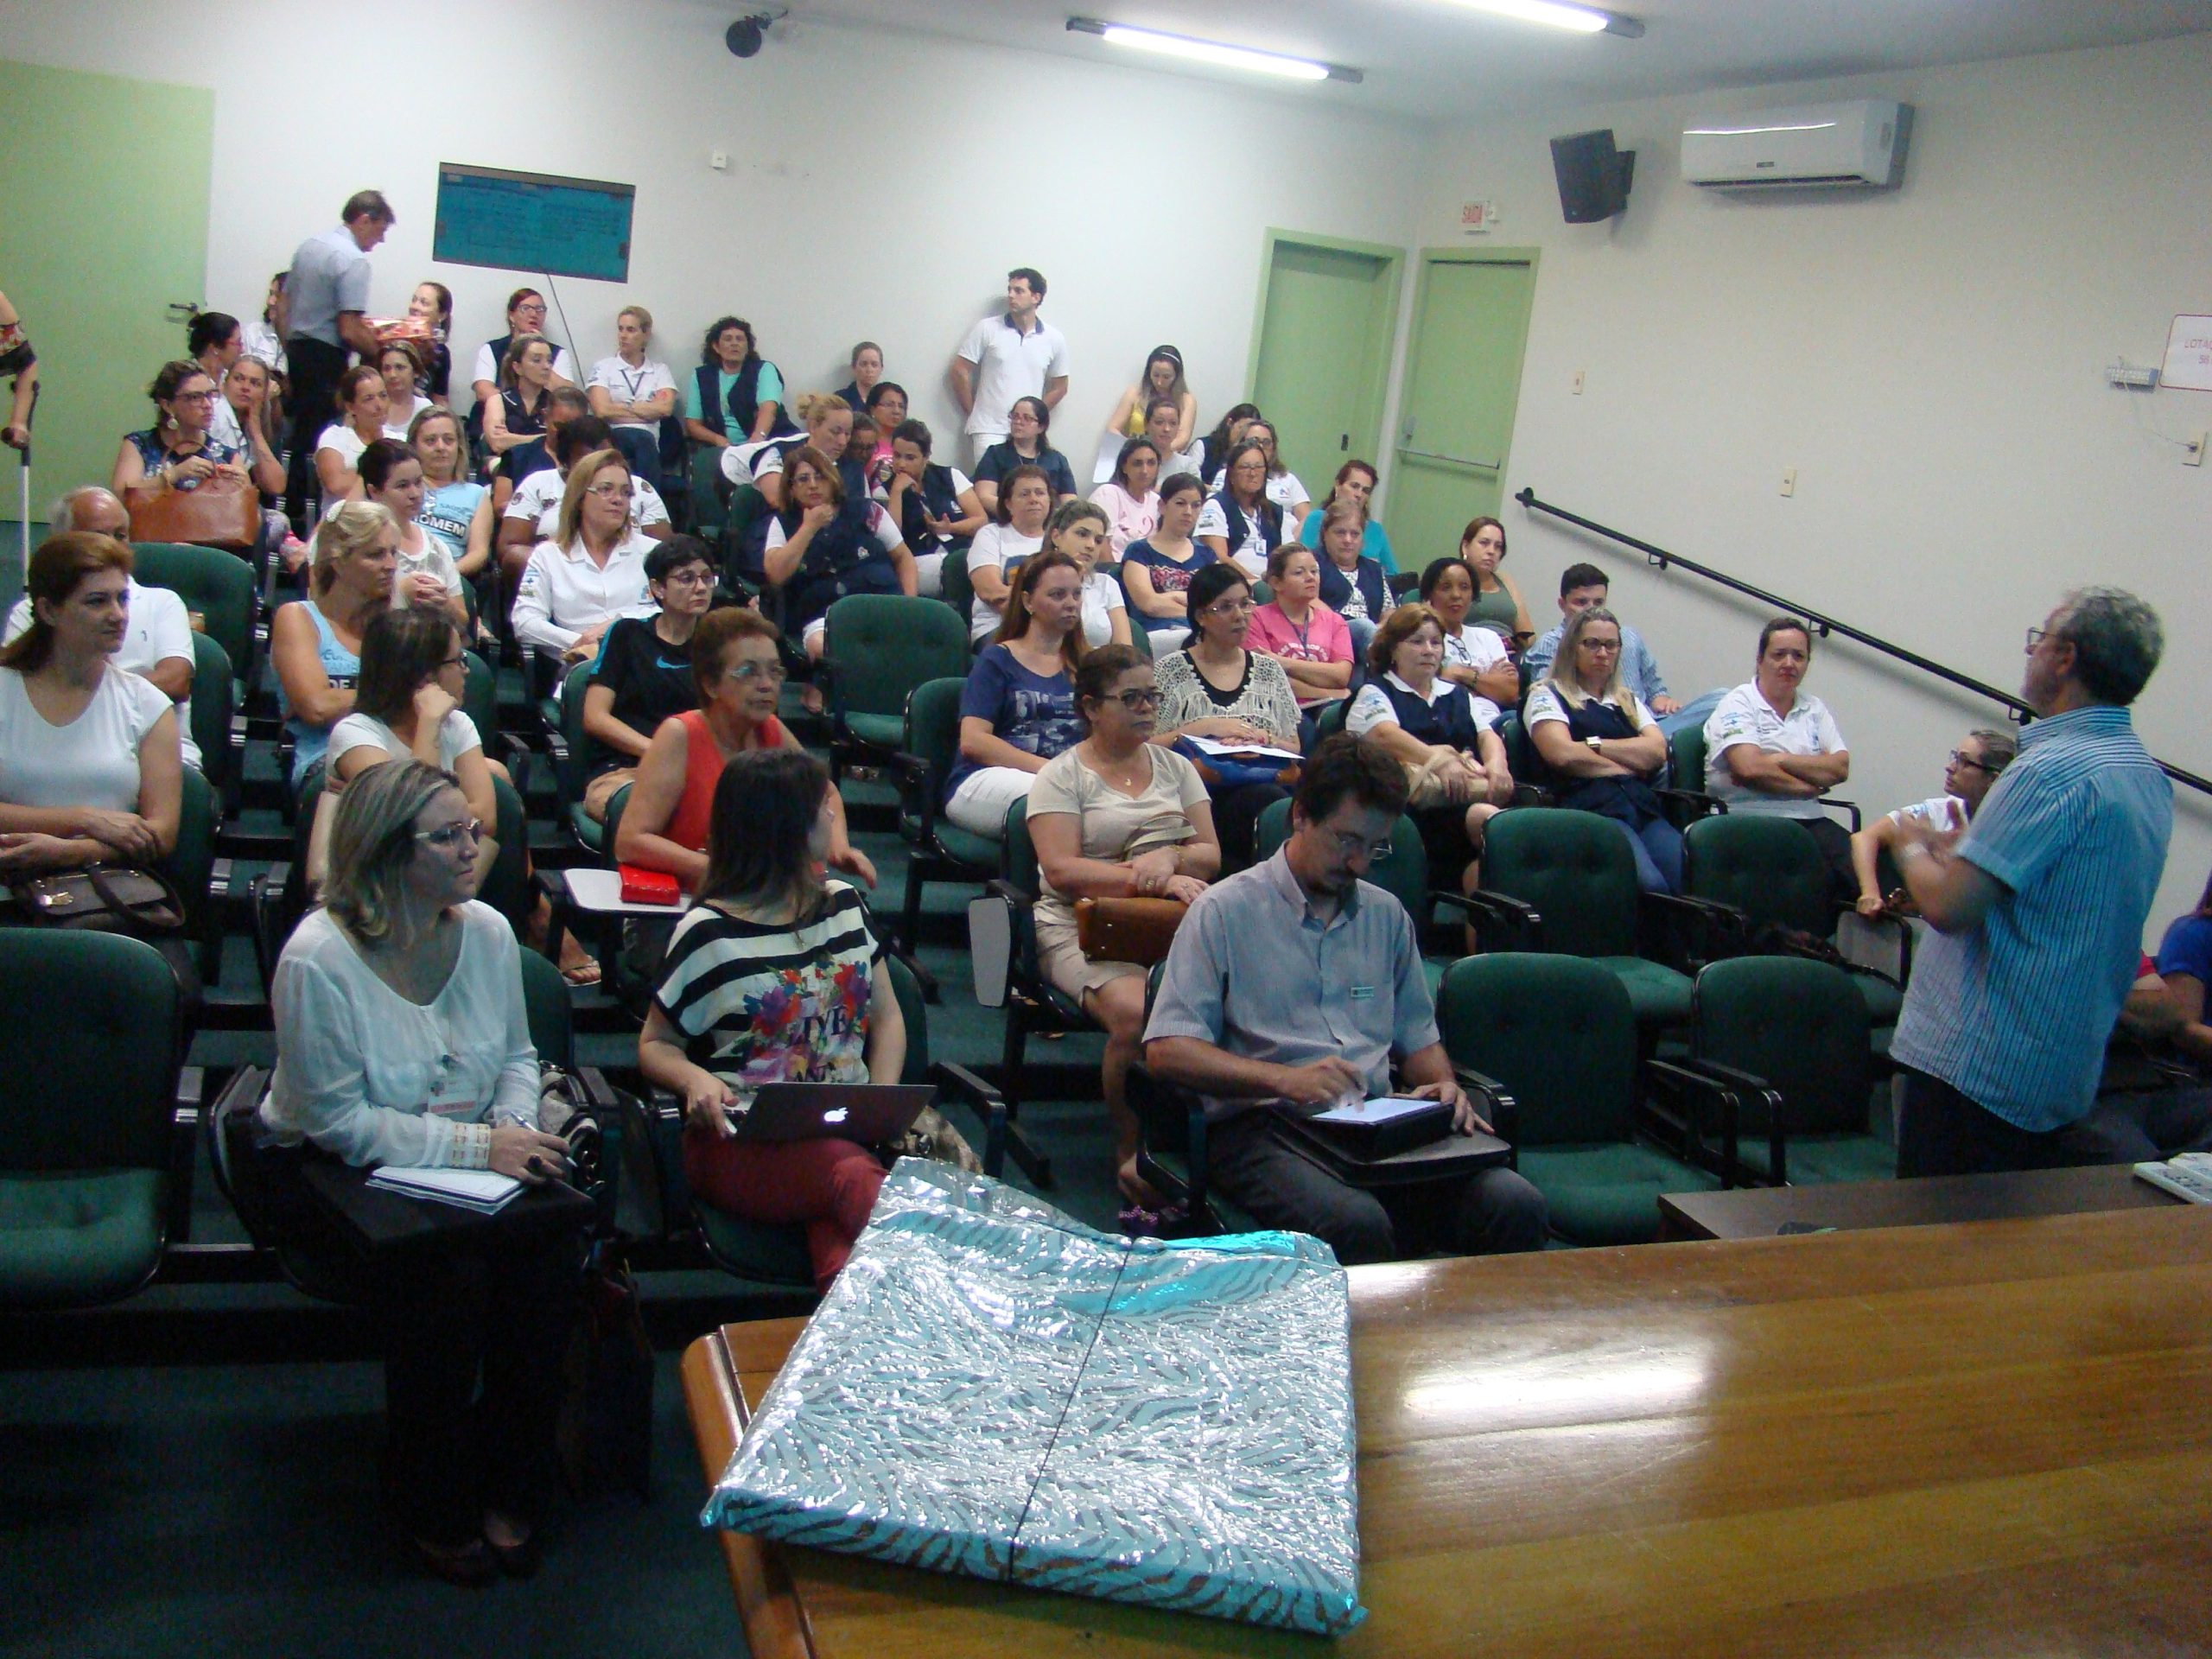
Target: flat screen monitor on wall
{"type": "Point", "coordinates": [533, 222]}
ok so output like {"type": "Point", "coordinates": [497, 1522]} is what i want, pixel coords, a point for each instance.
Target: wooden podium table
{"type": "Point", "coordinates": [1987, 1439]}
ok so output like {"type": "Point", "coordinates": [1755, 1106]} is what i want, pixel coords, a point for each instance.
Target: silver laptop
{"type": "Point", "coordinates": [870, 1113]}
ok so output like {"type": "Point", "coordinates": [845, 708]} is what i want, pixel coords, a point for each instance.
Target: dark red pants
{"type": "Point", "coordinates": [830, 1187]}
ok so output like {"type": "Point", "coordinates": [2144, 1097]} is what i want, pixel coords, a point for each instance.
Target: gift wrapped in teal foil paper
{"type": "Point", "coordinates": [992, 1388]}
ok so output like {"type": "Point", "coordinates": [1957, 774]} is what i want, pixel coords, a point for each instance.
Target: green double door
{"type": "Point", "coordinates": [1321, 361]}
{"type": "Point", "coordinates": [1462, 385]}
{"type": "Point", "coordinates": [103, 230]}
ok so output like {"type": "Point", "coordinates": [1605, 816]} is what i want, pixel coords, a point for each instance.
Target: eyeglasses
{"type": "Point", "coordinates": [452, 834]}
{"type": "Point", "coordinates": [610, 492]}
{"type": "Point", "coordinates": [1230, 607]}
{"type": "Point", "coordinates": [207, 396]}
{"type": "Point", "coordinates": [1353, 846]}
{"type": "Point", "coordinates": [461, 661]}
{"type": "Point", "coordinates": [2035, 637]}
{"type": "Point", "coordinates": [689, 578]}
{"type": "Point", "coordinates": [1960, 758]}
{"type": "Point", "coordinates": [1138, 698]}
{"type": "Point", "coordinates": [746, 673]}
{"type": "Point", "coordinates": [1600, 644]}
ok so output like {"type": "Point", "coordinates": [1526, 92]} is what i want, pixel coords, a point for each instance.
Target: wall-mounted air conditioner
{"type": "Point", "coordinates": [1859, 145]}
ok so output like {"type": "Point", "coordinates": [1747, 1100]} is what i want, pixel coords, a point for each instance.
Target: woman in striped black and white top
{"type": "Point", "coordinates": [773, 977]}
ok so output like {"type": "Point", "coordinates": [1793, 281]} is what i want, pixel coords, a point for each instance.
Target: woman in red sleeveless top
{"type": "Point", "coordinates": [741, 679]}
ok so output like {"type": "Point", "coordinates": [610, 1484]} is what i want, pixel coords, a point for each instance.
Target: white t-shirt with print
{"type": "Point", "coordinates": [537, 500]}
{"type": "Point", "coordinates": [626, 384]}
{"type": "Point", "coordinates": [997, 547]}
{"type": "Point", "coordinates": [1745, 716]}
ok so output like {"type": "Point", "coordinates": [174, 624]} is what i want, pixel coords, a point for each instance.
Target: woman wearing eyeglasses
{"type": "Point", "coordinates": [407, 706]}
{"type": "Point", "coordinates": [1115, 816]}
{"type": "Point", "coordinates": [740, 674]}
{"type": "Point", "coordinates": [1604, 747]}
{"type": "Point", "coordinates": [591, 572]}
{"type": "Point", "coordinates": [401, 1040]}
{"type": "Point", "coordinates": [643, 675]}
{"type": "Point", "coordinates": [1972, 768]}
{"type": "Point", "coordinates": [178, 450]}
{"type": "Point", "coordinates": [1214, 688]}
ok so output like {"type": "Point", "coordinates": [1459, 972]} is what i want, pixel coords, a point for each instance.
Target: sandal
{"type": "Point", "coordinates": [581, 974]}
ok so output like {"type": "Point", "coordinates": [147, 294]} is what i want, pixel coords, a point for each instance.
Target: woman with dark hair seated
{"type": "Point", "coordinates": [1018, 710]}
{"type": "Point", "coordinates": [362, 401]}
{"type": "Point", "coordinates": [401, 363]}
{"type": "Point", "coordinates": [1115, 816]}
{"type": "Point", "coordinates": [773, 976]}
{"type": "Point", "coordinates": [526, 378]}
{"type": "Point", "coordinates": [887, 408]}
{"type": "Point", "coordinates": [737, 396]}
{"type": "Point", "coordinates": [936, 508]}
{"type": "Point", "coordinates": [1156, 571]}
{"type": "Point", "coordinates": [1444, 737]}
{"type": "Point", "coordinates": [1354, 487]}
{"type": "Point", "coordinates": [825, 542]}
{"type": "Point", "coordinates": [1131, 499]}
{"type": "Point", "coordinates": [401, 1040]}
{"type": "Point", "coordinates": [1215, 688]}
{"type": "Point", "coordinates": [1239, 523]}
{"type": "Point", "coordinates": [1024, 445]}
{"type": "Point", "coordinates": [1476, 657]}
{"type": "Point", "coordinates": [1603, 745]}
{"type": "Point", "coordinates": [1309, 639]}
{"type": "Point", "coordinates": [738, 673]}
{"type": "Point", "coordinates": [1213, 449]}
{"type": "Point", "coordinates": [643, 675]}
{"type": "Point", "coordinates": [90, 764]}
{"type": "Point", "coordinates": [1016, 532]}
{"type": "Point", "coordinates": [425, 573]}
{"type": "Point", "coordinates": [180, 449]}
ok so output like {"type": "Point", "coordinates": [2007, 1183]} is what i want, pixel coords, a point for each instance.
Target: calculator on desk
{"type": "Point", "coordinates": [2188, 1175]}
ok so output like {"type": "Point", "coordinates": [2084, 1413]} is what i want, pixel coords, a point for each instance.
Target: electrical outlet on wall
{"type": "Point", "coordinates": [2192, 452]}
{"type": "Point", "coordinates": [1578, 381]}
{"type": "Point", "coordinates": [1790, 481]}
{"type": "Point", "coordinates": [719, 160]}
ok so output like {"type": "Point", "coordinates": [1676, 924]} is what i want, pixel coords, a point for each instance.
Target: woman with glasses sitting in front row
{"type": "Point", "coordinates": [740, 676]}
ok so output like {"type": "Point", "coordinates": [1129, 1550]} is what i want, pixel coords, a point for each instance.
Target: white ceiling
{"type": "Point", "coordinates": [1433, 61]}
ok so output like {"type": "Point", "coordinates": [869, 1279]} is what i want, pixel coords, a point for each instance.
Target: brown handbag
{"type": "Point", "coordinates": [223, 511]}
{"type": "Point", "coordinates": [1127, 929]}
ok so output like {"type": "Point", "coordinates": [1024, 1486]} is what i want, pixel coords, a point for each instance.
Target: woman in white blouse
{"type": "Point", "coordinates": [362, 401]}
{"type": "Point", "coordinates": [592, 571]}
{"type": "Point", "coordinates": [400, 363]}
{"type": "Point", "coordinates": [92, 769]}
{"type": "Point", "coordinates": [401, 1040]}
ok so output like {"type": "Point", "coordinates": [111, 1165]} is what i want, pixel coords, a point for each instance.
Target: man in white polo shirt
{"type": "Point", "coordinates": [1017, 355]}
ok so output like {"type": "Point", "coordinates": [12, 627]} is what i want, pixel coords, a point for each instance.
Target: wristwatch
{"type": "Point", "coordinates": [1593, 742]}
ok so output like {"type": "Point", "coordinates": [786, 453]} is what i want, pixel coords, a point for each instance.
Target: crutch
{"type": "Point", "coordinates": [24, 473]}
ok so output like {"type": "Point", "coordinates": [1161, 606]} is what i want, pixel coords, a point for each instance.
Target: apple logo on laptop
{"type": "Point", "coordinates": [834, 1114]}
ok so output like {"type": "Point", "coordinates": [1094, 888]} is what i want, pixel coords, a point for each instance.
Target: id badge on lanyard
{"type": "Point", "coordinates": [451, 1093]}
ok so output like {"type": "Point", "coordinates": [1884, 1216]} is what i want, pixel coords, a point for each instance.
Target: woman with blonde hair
{"type": "Point", "coordinates": [633, 393]}
{"type": "Point", "coordinates": [1604, 747]}
{"type": "Point", "coordinates": [316, 643]}
{"type": "Point", "coordinates": [593, 569]}
{"type": "Point", "coordinates": [401, 1040]}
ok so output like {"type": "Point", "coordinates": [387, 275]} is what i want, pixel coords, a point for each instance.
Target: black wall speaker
{"type": "Point", "coordinates": [1594, 176]}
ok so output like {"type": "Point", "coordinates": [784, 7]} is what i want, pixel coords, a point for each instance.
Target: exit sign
{"type": "Point", "coordinates": [1476, 217]}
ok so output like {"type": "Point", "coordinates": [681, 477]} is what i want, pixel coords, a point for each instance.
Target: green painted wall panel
{"type": "Point", "coordinates": [103, 224]}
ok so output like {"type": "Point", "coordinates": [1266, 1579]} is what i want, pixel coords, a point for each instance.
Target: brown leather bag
{"type": "Point", "coordinates": [1127, 929]}
{"type": "Point", "coordinates": [224, 511]}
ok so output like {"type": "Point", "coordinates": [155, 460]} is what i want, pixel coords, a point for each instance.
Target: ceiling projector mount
{"type": "Point", "coordinates": [744, 36]}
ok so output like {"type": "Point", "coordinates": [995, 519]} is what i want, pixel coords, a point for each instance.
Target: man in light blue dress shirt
{"type": "Point", "coordinates": [2037, 911]}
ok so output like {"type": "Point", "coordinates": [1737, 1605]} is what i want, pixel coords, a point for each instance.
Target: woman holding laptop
{"type": "Point", "coordinates": [773, 976]}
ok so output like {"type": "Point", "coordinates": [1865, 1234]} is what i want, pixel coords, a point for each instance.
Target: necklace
{"type": "Point", "coordinates": [1129, 780]}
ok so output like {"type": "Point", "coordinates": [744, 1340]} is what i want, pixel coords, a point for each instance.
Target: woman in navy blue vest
{"type": "Point", "coordinates": [1239, 523]}
{"type": "Point", "coordinates": [936, 508]}
{"type": "Point", "coordinates": [829, 540]}
{"type": "Point", "coordinates": [737, 396]}
{"type": "Point", "coordinates": [1442, 734]}
{"type": "Point", "coordinates": [1024, 445]}
{"type": "Point", "coordinates": [1352, 585]}
{"type": "Point", "coordinates": [1603, 746]}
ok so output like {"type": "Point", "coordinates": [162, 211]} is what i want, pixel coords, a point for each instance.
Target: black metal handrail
{"type": "Point", "coordinates": [1822, 624]}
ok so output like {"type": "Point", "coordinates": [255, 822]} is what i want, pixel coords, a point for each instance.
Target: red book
{"type": "Point", "coordinates": [642, 886]}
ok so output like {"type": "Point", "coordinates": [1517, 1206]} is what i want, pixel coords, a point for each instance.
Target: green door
{"type": "Point", "coordinates": [103, 229]}
{"type": "Point", "coordinates": [1323, 357]}
{"type": "Point", "coordinates": [1462, 382]}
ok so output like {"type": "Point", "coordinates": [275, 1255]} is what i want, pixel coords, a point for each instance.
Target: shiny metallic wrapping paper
{"type": "Point", "coordinates": [994, 1389]}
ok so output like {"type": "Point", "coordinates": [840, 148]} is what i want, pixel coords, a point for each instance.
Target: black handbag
{"type": "Point", "coordinates": [103, 899]}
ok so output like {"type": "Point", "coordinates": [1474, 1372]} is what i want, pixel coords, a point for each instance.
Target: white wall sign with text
{"type": "Point", "coordinates": [2188, 356]}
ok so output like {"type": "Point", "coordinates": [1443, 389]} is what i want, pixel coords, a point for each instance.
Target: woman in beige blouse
{"type": "Point", "coordinates": [1115, 816]}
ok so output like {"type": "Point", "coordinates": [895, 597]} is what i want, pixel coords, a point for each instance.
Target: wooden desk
{"type": "Point", "coordinates": [1990, 1439]}
{"type": "Point", "coordinates": [1755, 1211]}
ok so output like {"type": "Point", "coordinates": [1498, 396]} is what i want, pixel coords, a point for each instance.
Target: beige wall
{"type": "Point", "coordinates": [1929, 361]}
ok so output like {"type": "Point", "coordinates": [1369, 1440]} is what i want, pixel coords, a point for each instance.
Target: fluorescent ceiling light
{"type": "Point", "coordinates": [1746, 133]}
{"type": "Point", "coordinates": [1212, 52]}
{"type": "Point", "coordinates": [1583, 19]}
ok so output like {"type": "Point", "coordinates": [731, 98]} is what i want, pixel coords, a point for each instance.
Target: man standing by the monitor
{"type": "Point", "coordinates": [325, 305]}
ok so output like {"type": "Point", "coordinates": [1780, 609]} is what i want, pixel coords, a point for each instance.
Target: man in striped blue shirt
{"type": "Point", "coordinates": [2037, 911]}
